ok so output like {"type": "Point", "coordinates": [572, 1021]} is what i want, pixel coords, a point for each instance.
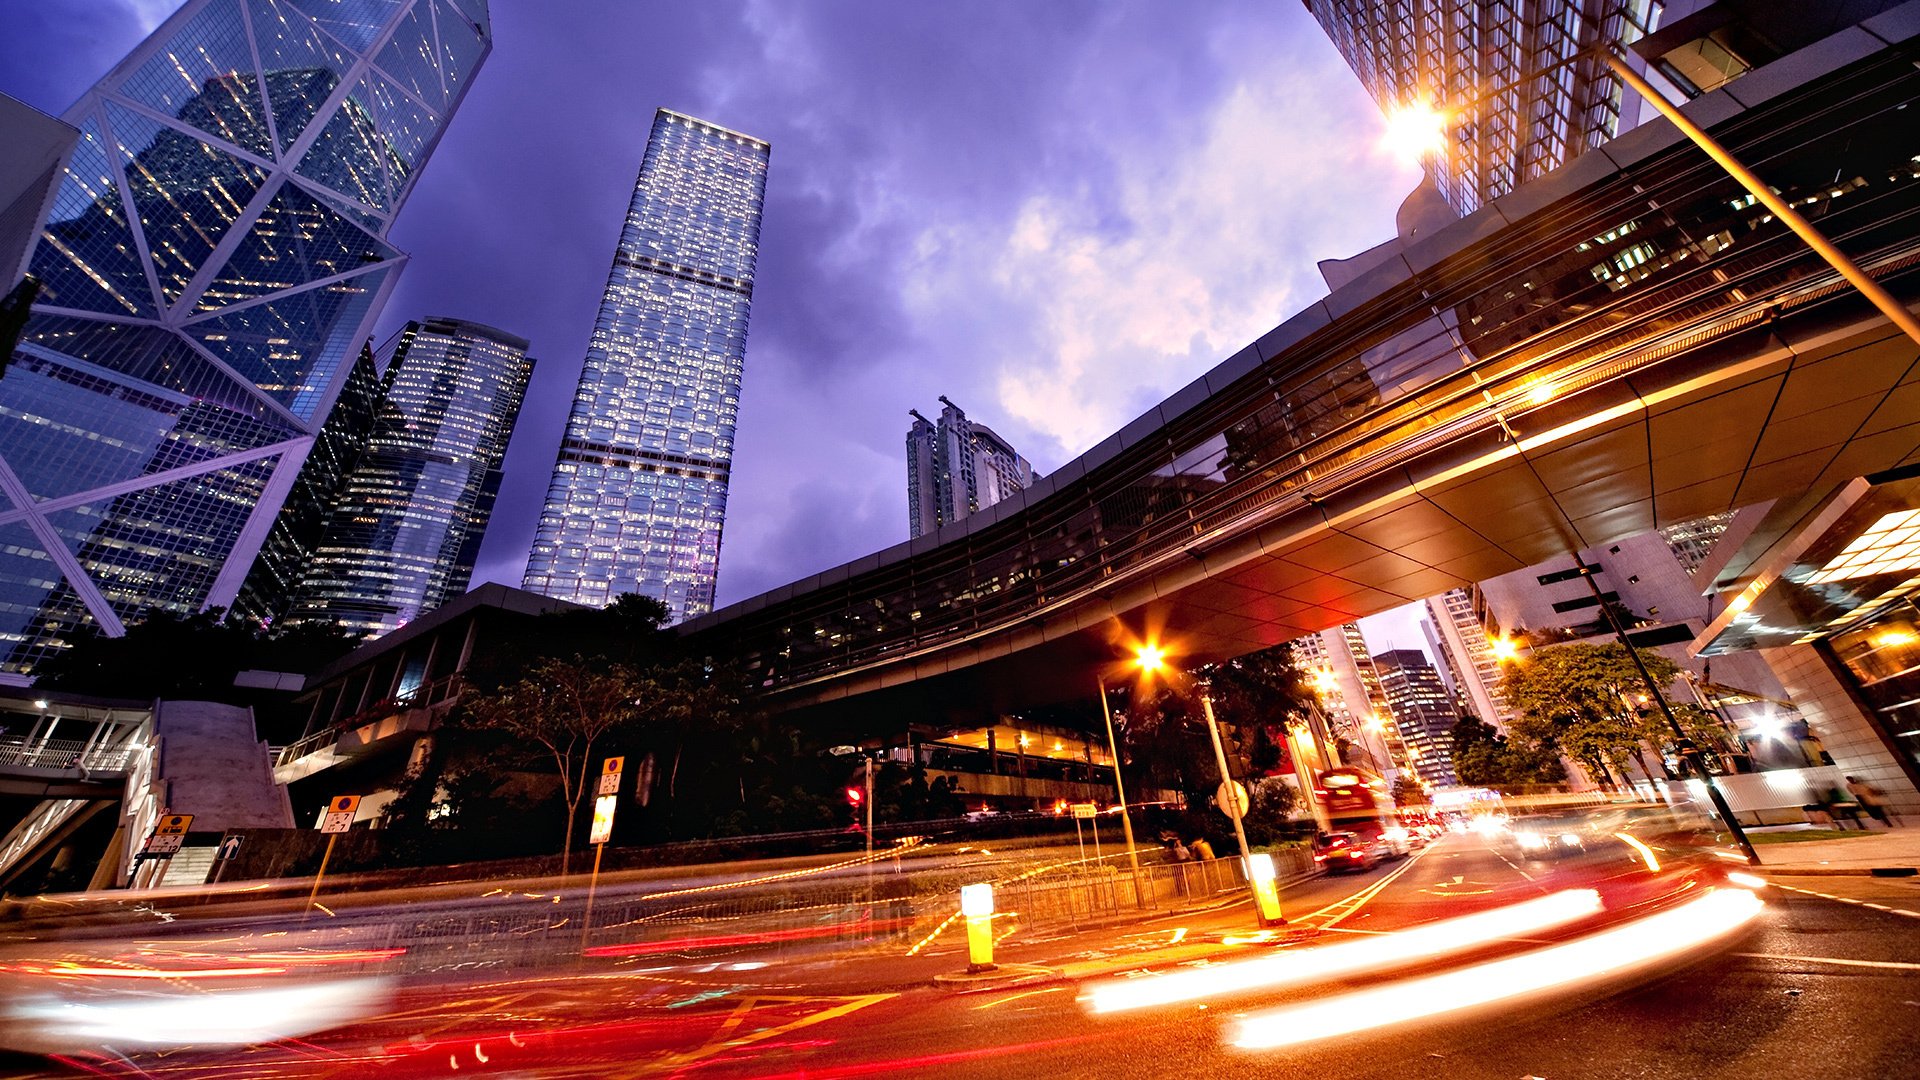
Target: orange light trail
{"type": "Point", "coordinates": [1713, 916]}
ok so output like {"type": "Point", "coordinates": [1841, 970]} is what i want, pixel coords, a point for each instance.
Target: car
{"type": "Point", "coordinates": [1549, 837]}
{"type": "Point", "coordinates": [1343, 852]}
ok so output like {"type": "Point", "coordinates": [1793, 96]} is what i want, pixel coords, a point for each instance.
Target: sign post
{"type": "Point", "coordinates": [337, 819]}
{"type": "Point", "coordinates": [224, 855]}
{"type": "Point", "coordinates": [169, 832]}
{"type": "Point", "coordinates": [604, 804]}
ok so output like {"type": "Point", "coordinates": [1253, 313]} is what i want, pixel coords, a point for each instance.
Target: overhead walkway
{"type": "Point", "coordinates": [1627, 343]}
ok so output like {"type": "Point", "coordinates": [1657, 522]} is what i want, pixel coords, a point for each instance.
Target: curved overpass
{"type": "Point", "coordinates": [1626, 343]}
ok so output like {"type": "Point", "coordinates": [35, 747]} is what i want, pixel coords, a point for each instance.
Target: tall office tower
{"type": "Point", "coordinates": [402, 534]}
{"type": "Point", "coordinates": [639, 489]}
{"type": "Point", "coordinates": [213, 259]}
{"type": "Point", "coordinates": [1522, 86]}
{"type": "Point", "coordinates": [268, 590]}
{"type": "Point", "coordinates": [1461, 641]}
{"type": "Point", "coordinates": [957, 466]}
{"type": "Point", "coordinates": [1422, 709]}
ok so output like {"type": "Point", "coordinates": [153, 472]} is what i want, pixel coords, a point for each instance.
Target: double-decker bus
{"type": "Point", "coordinates": [1359, 802]}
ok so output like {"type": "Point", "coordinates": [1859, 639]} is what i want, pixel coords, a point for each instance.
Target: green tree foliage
{"type": "Point", "coordinates": [566, 708]}
{"type": "Point", "coordinates": [1589, 702]}
{"type": "Point", "coordinates": [1483, 757]}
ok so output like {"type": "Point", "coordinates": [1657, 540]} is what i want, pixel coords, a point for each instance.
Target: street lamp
{"type": "Point", "coordinates": [1150, 659]}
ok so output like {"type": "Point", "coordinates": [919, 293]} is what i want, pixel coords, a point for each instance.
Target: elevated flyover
{"type": "Point", "coordinates": [1627, 343]}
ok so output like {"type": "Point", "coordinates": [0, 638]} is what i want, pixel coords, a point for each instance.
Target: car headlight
{"type": "Point", "coordinates": [1531, 841]}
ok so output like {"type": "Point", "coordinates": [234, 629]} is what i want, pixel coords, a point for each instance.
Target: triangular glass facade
{"type": "Point", "coordinates": [242, 177]}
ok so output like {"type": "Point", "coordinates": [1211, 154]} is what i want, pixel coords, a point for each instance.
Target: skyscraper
{"type": "Point", "coordinates": [1422, 709]}
{"type": "Point", "coordinates": [213, 259]}
{"type": "Point", "coordinates": [402, 533]}
{"type": "Point", "coordinates": [1521, 85]}
{"type": "Point", "coordinates": [957, 466]}
{"type": "Point", "coordinates": [1460, 640]}
{"type": "Point", "coordinates": [639, 488]}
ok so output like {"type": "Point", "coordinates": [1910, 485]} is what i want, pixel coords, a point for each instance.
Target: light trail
{"type": "Point", "coordinates": [1653, 862]}
{"type": "Point", "coordinates": [1712, 917]}
{"type": "Point", "coordinates": [1348, 958]}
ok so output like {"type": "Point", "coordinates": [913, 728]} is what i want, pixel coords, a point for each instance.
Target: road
{"type": "Point", "coordinates": [1819, 987]}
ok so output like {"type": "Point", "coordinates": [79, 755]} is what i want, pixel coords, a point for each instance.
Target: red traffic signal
{"type": "Point", "coordinates": [855, 796]}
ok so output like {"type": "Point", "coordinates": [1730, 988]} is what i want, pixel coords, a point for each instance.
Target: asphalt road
{"type": "Point", "coordinates": [1820, 988]}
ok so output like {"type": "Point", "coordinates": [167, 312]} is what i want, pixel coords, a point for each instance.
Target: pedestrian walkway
{"type": "Point", "coordinates": [1884, 850]}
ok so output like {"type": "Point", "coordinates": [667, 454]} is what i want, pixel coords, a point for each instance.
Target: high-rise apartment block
{"type": "Point", "coordinates": [402, 533]}
{"type": "Point", "coordinates": [1460, 642]}
{"type": "Point", "coordinates": [639, 489]}
{"type": "Point", "coordinates": [212, 261]}
{"type": "Point", "coordinates": [1423, 711]}
{"type": "Point", "coordinates": [1340, 669]}
{"type": "Point", "coordinates": [956, 466]}
{"type": "Point", "coordinates": [1521, 86]}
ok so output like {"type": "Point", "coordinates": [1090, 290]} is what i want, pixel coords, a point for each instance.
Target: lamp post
{"type": "Point", "coordinates": [1151, 658]}
{"type": "Point", "coordinates": [1119, 787]}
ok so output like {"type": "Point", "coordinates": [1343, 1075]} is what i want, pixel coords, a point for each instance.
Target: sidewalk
{"type": "Point", "coordinates": [1884, 851]}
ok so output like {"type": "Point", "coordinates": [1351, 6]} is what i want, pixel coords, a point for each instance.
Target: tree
{"type": "Point", "coordinates": [1590, 702]}
{"type": "Point", "coordinates": [1485, 758]}
{"type": "Point", "coordinates": [566, 707]}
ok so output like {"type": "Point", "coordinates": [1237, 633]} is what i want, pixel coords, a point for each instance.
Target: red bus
{"type": "Point", "coordinates": [1360, 803]}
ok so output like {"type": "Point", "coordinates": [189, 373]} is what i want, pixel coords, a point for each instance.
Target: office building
{"type": "Point", "coordinates": [956, 466]}
{"type": "Point", "coordinates": [1422, 710]}
{"type": "Point", "coordinates": [1521, 86]}
{"type": "Point", "coordinates": [401, 536]}
{"type": "Point", "coordinates": [269, 588]}
{"type": "Point", "coordinates": [639, 488]}
{"type": "Point", "coordinates": [212, 261]}
{"type": "Point", "coordinates": [1340, 669]}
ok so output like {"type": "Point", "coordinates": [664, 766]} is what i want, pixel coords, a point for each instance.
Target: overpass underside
{"type": "Point", "coordinates": [1627, 343]}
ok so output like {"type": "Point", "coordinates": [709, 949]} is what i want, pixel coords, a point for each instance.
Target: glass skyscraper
{"type": "Point", "coordinates": [1521, 83]}
{"type": "Point", "coordinates": [639, 490]}
{"type": "Point", "coordinates": [402, 533]}
{"type": "Point", "coordinates": [213, 259]}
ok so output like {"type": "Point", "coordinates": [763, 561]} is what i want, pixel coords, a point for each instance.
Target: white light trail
{"type": "Point", "coordinates": [1351, 958]}
{"type": "Point", "coordinates": [1609, 952]}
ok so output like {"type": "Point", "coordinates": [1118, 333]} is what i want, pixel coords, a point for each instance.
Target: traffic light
{"type": "Point", "coordinates": [855, 796]}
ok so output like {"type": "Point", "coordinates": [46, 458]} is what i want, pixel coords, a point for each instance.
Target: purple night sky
{"type": "Point", "coordinates": [1053, 212]}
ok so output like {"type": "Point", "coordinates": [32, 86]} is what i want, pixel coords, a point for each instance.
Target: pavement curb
{"type": "Point", "coordinates": [999, 978]}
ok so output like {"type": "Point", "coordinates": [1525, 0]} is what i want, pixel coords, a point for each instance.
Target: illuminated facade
{"type": "Point", "coordinates": [1461, 640]}
{"type": "Point", "coordinates": [1521, 84]}
{"type": "Point", "coordinates": [212, 261]}
{"type": "Point", "coordinates": [402, 536]}
{"type": "Point", "coordinates": [1423, 711]}
{"type": "Point", "coordinates": [957, 466]}
{"type": "Point", "coordinates": [639, 489]}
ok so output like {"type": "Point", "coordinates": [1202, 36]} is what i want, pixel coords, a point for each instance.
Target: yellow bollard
{"type": "Point", "coordinates": [1266, 889]}
{"type": "Point", "coordinates": [976, 903]}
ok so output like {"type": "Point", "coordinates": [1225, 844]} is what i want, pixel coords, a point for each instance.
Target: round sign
{"type": "Point", "coordinates": [1231, 798]}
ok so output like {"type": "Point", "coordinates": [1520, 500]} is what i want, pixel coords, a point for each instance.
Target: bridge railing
{"type": "Point", "coordinates": [64, 754]}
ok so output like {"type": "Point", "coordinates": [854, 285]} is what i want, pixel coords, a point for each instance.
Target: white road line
{"type": "Point", "coordinates": [1847, 900]}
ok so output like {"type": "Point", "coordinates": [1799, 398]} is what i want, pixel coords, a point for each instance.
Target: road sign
{"type": "Point", "coordinates": [162, 845]}
{"type": "Point", "coordinates": [1085, 810]}
{"type": "Point", "coordinates": [339, 815]}
{"type": "Point", "coordinates": [610, 775]}
{"type": "Point", "coordinates": [229, 847]}
{"type": "Point", "coordinates": [1231, 798]}
{"type": "Point", "coordinates": [602, 819]}
{"type": "Point", "coordinates": [168, 834]}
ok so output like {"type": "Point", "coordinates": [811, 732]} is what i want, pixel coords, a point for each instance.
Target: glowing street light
{"type": "Point", "coordinates": [1505, 650]}
{"type": "Point", "coordinates": [1151, 658]}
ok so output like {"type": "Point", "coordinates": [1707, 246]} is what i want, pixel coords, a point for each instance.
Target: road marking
{"type": "Point", "coordinates": [1017, 997]}
{"type": "Point", "coordinates": [1846, 900]}
{"type": "Point", "coordinates": [1831, 960]}
{"type": "Point", "coordinates": [1360, 899]}
{"type": "Point", "coordinates": [822, 1016]}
